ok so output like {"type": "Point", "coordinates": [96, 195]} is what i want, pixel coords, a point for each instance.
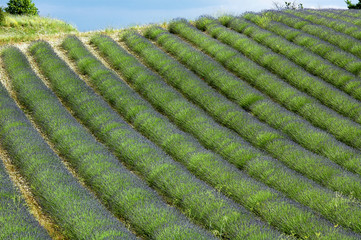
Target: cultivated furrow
{"type": "Point", "coordinates": [124, 194]}
{"type": "Point", "coordinates": [75, 210]}
{"type": "Point", "coordinates": [247, 126]}
{"type": "Point", "coordinates": [196, 89]}
{"type": "Point", "coordinates": [284, 68]}
{"type": "Point", "coordinates": [335, 14]}
{"type": "Point", "coordinates": [163, 63]}
{"type": "Point", "coordinates": [15, 220]}
{"type": "Point", "coordinates": [300, 55]}
{"type": "Point", "coordinates": [163, 97]}
{"type": "Point", "coordinates": [293, 99]}
{"type": "Point", "coordinates": [337, 25]}
{"type": "Point", "coordinates": [340, 40]}
{"type": "Point", "coordinates": [194, 197]}
{"type": "Point", "coordinates": [326, 50]}
{"type": "Point", "coordinates": [350, 12]}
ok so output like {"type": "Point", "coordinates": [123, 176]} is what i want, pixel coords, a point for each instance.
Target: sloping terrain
{"type": "Point", "coordinates": [20, 28]}
{"type": "Point", "coordinates": [235, 128]}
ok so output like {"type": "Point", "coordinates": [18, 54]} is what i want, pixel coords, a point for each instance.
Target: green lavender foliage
{"type": "Point", "coordinates": [178, 144]}
{"type": "Point", "coordinates": [151, 88]}
{"type": "Point", "coordinates": [197, 113]}
{"type": "Point", "coordinates": [124, 194]}
{"type": "Point", "coordinates": [335, 14]}
{"type": "Point", "coordinates": [197, 200]}
{"type": "Point", "coordinates": [73, 208]}
{"type": "Point", "coordinates": [300, 55]}
{"type": "Point", "coordinates": [236, 40]}
{"type": "Point", "coordinates": [16, 222]}
{"type": "Point", "coordinates": [337, 25]}
{"type": "Point", "coordinates": [260, 135]}
{"type": "Point", "coordinates": [330, 52]}
{"type": "Point", "coordinates": [340, 40]}
{"type": "Point", "coordinates": [290, 97]}
{"type": "Point", "coordinates": [285, 68]}
{"type": "Point", "coordinates": [158, 60]}
{"type": "Point", "coordinates": [352, 13]}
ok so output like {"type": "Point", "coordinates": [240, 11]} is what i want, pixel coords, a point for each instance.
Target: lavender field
{"type": "Point", "coordinates": [241, 127]}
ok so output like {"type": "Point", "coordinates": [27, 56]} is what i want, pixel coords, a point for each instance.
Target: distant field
{"type": "Point", "coordinates": [232, 128]}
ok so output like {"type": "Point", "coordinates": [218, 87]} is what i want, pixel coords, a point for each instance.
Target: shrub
{"type": "Point", "coordinates": [21, 7]}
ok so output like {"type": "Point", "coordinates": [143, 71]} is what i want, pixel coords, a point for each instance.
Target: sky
{"type": "Point", "coordinates": [96, 14]}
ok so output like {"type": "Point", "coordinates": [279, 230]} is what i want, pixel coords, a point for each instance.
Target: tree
{"type": "Point", "coordinates": [353, 6]}
{"type": "Point", "coordinates": [21, 7]}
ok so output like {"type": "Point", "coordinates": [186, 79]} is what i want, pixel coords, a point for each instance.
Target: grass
{"type": "Point", "coordinates": [22, 28]}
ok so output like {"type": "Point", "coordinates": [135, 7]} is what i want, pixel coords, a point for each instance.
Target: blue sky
{"type": "Point", "coordinates": [95, 14]}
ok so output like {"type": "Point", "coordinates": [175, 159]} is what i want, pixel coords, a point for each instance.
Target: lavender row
{"type": "Point", "coordinates": [124, 193]}
{"type": "Point", "coordinates": [181, 146]}
{"type": "Point", "coordinates": [277, 144]}
{"type": "Point", "coordinates": [196, 199]}
{"type": "Point", "coordinates": [337, 25]}
{"type": "Point", "coordinates": [338, 39]}
{"type": "Point", "coordinates": [16, 222]}
{"type": "Point", "coordinates": [174, 73]}
{"type": "Point", "coordinates": [334, 14]}
{"type": "Point", "coordinates": [303, 80]}
{"type": "Point", "coordinates": [214, 171]}
{"type": "Point", "coordinates": [73, 208]}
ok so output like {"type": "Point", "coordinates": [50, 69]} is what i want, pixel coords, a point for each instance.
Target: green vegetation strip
{"type": "Point", "coordinates": [343, 41]}
{"type": "Point", "coordinates": [15, 220]}
{"type": "Point", "coordinates": [125, 194]}
{"type": "Point", "coordinates": [298, 77]}
{"type": "Point", "coordinates": [194, 197]}
{"type": "Point", "coordinates": [255, 167]}
{"type": "Point", "coordinates": [75, 210]}
{"type": "Point", "coordinates": [259, 134]}
{"type": "Point", "coordinates": [336, 15]}
{"type": "Point", "coordinates": [350, 12]}
{"type": "Point", "coordinates": [236, 40]}
{"type": "Point", "coordinates": [330, 52]}
{"type": "Point", "coordinates": [337, 25]}
{"type": "Point", "coordinates": [311, 62]}
{"type": "Point", "coordinates": [290, 97]}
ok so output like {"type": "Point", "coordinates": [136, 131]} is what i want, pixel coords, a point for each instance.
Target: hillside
{"type": "Point", "coordinates": [21, 28]}
{"type": "Point", "coordinates": [243, 127]}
